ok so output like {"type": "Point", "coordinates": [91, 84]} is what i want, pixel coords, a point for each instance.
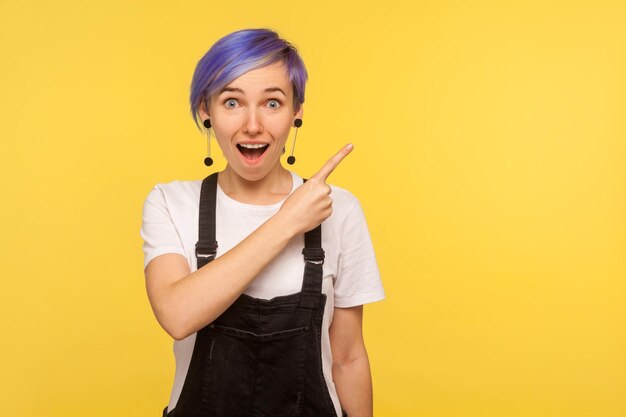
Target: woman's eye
{"type": "Point", "coordinates": [230, 103]}
{"type": "Point", "coordinates": [273, 104]}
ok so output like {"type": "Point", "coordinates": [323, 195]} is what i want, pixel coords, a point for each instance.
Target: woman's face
{"type": "Point", "coordinates": [251, 118]}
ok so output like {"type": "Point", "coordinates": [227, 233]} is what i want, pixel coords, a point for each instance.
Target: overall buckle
{"type": "Point", "coordinates": [314, 255]}
{"type": "Point", "coordinates": [206, 251]}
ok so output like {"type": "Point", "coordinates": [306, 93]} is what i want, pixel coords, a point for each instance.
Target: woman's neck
{"type": "Point", "coordinates": [272, 188]}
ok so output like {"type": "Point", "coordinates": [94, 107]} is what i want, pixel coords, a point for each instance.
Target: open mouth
{"type": "Point", "coordinates": [252, 151]}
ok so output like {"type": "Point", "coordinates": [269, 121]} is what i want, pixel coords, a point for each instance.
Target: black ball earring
{"type": "Point", "coordinates": [208, 161]}
{"type": "Point", "coordinates": [292, 159]}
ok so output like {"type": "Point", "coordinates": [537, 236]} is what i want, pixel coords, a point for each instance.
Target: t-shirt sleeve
{"type": "Point", "coordinates": [158, 231]}
{"type": "Point", "coordinates": [358, 278]}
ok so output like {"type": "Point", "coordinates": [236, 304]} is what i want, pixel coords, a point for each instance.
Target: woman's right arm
{"type": "Point", "coordinates": [184, 302]}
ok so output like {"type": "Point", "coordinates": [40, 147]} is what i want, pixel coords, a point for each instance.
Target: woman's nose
{"type": "Point", "coordinates": [252, 124]}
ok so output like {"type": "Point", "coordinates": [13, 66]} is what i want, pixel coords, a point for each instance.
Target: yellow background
{"type": "Point", "coordinates": [490, 158]}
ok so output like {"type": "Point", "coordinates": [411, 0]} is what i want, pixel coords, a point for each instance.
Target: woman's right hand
{"type": "Point", "coordinates": [310, 204]}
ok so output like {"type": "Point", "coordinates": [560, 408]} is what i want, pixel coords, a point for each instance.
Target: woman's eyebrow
{"type": "Point", "coordinates": [272, 89]}
{"type": "Point", "coordinates": [231, 89]}
{"type": "Point", "coordinates": [239, 90]}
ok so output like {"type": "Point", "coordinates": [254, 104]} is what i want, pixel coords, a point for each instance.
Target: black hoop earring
{"type": "Point", "coordinates": [208, 161]}
{"type": "Point", "coordinates": [292, 159]}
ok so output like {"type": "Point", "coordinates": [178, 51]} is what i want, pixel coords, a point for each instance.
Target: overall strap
{"type": "Point", "coordinates": [206, 248]}
{"type": "Point", "coordinates": [313, 268]}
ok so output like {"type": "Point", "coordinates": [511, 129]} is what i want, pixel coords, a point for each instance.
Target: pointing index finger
{"type": "Point", "coordinates": [333, 162]}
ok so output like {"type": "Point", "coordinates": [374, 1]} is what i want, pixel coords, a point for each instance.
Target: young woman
{"type": "Point", "coordinates": [259, 276]}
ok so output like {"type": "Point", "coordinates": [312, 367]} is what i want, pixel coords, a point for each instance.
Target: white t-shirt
{"type": "Point", "coordinates": [351, 276]}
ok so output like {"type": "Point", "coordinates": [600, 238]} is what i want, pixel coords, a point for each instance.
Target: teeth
{"type": "Point", "coordinates": [253, 145]}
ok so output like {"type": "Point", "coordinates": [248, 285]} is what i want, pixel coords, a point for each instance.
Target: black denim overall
{"type": "Point", "coordinates": [260, 358]}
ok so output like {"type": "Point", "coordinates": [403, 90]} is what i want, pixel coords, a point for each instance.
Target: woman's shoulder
{"type": "Point", "coordinates": [176, 191]}
{"type": "Point", "coordinates": [347, 215]}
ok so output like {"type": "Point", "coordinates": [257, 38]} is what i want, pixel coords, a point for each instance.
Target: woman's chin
{"type": "Point", "coordinates": [254, 172]}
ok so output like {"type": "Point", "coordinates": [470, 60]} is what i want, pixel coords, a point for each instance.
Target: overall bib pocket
{"type": "Point", "coordinates": [264, 371]}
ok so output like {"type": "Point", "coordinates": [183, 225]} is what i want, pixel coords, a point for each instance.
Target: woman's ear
{"type": "Point", "coordinates": [203, 109]}
{"type": "Point", "coordinates": [299, 113]}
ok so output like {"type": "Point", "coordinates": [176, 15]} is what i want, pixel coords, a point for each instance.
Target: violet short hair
{"type": "Point", "coordinates": [240, 52]}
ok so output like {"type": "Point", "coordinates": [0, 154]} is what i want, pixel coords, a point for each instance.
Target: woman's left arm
{"type": "Point", "coordinates": [351, 368]}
